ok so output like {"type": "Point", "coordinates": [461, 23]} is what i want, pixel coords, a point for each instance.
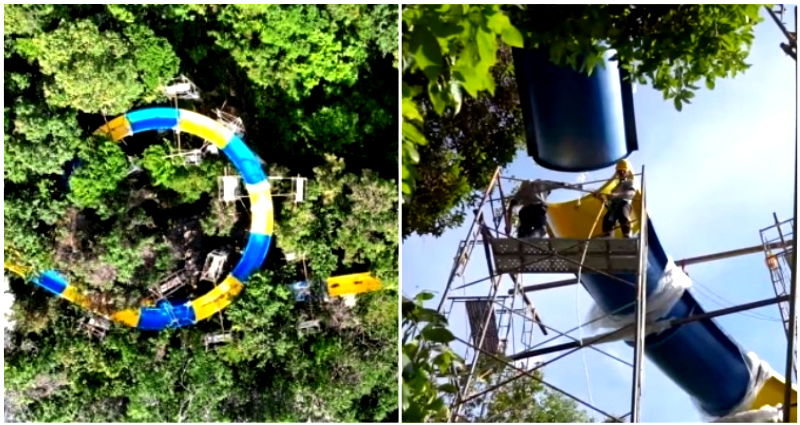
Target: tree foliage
{"type": "Point", "coordinates": [670, 47]}
{"type": "Point", "coordinates": [299, 48]}
{"type": "Point", "coordinates": [97, 180]}
{"type": "Point", "coordinates": [356, 214]}
{"type": "Point", "coordinates": [310, 83]}
{"type": "Point", "coordinates": [100, 71]}
{"type": "Point", "coordinates": [673, 48]}
{"type": "Point", "coordinates": [429, 364]}
{"type": "Point", "coordinates": [170, 171]}
{"type": "Point", "coordinates": [454, 47]}
{"type": "Point", "coordinates": [432, 371]}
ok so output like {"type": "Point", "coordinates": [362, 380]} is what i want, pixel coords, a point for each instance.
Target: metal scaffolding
{"type": "Point", "coordinates": [493, 332]}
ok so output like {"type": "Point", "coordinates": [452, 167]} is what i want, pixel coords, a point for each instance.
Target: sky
{"type": "Point", "coordinates": [715, 174]}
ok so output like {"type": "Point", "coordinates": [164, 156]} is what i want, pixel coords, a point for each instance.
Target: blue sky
{"type": "Point", "coordinates": [715, 174]}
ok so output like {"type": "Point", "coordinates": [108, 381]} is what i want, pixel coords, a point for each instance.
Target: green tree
{"type": "Point", "coordinates": [37, 143]}
{"type": "Point", "coordinates": [100, 71]}
{"type": "Point", "coordinates": [116, 218]}
{"type": "Point", "coordinates": [462, 153]}
{"type": "Point", "coordinates": [170, 171]}
{"type": "Point", "coordinates": [454, 47]}
{"type": "Point", "coordinates": [95, 181]}
{"type": "Point", "coordinates": [356, 215]}
{"type": "Point", "coordinates": [431, 370]}
{"type": "Point", "coordinates": [672, 48]}
{"type": "Point", "coordinates": [429, 365]}
{"type": "Point", "coordinates": [298, 48]}
{"type": "Point", "coordinates": [525, 400]}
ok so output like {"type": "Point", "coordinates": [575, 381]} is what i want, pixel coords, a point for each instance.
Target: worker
{"type": "Point", "coordinates": [618, 202]}
{"type": "Point", "coordinates": [532, 197]}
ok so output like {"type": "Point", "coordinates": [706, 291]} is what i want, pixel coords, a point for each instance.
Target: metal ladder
{"type": "Point", "coordinates": [780, 271]}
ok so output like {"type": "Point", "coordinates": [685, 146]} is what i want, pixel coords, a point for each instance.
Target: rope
{"type": "Point", "coordinates": [577, 303]}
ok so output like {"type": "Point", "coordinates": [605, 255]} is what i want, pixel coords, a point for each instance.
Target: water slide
{"type": "Point", "coordinates": [575, 123]}
{"type": "Point", "coordinates": [165, 314]}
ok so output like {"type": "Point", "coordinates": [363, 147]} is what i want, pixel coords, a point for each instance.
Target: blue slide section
{"type": "Point", "coordinates": [574, 122]}
{"type": "Point", "coordinates": [252, 257]}
{"type": "Point", "coordinates": [52, 281]}
{"type": "Point", "coordinates": [244, 160]}
{"type": "Point", "coordinates": [698, 356]}
{"type": "Point", "coordinates": [166, 315]}
{"type": "Point", "coordinates": [152, 119]}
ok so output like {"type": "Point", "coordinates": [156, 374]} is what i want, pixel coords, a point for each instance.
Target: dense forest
{"type": "Point", "coordinates": [316, 90]}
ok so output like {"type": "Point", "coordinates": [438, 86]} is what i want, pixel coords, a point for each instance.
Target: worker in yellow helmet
{"type": "Point", "coordinates": [619, 201]}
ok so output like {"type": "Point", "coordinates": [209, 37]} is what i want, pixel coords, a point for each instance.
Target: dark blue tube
{"type": "Point", "coordinates": [252, 257]}
{"type": "Point", "coordinates": [612, 294]}
{"type": "Point", "coordinates": [698, 356]}
{"type": "Point", "coordinates": [579, 123]}
{"type": "Point", "coordinates": [701, 359]}
{"type": "Point", "coordinates": [574, 122]}
{"type": "Point", "coordinates": [244, 160]}
{"type": "Point", "coordinates": [152, 119]}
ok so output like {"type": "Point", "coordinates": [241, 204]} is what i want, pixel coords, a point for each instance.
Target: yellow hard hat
{"type": "Point", "coordinates": [623, 165]}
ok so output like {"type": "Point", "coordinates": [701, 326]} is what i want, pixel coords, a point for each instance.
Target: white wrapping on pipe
{"type": "Point", "coordinates": [671, 286]}
{"type": "Point", "coordinates": [766, 414]}
{"type": "Point", "coordinates": [760, 371]}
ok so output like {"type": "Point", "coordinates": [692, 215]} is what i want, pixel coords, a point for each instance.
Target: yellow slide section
{"type": "Point", "coordinates": [260, 208]}
{"type": "Point", "coordinates": [772, 394]}
{"type": "Point", "coordinates": [129, 317]}
{"type": "Point", "coordinates": [117, 129]}
{"type": "Point", "coordinates": [350, 284]}
{"type": "Point", "coordinates": [574, 219]}
{"type": "Point", "coordinates": [217, 299]}
{"type": "Point", "coordinates": [205, 127]}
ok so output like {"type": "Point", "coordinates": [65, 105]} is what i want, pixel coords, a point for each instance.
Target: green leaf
{"type": "Point", "coordinates": [424, 296]}
{"type": "Point", "coordinates": [448, 388]}
{"type": "Point", "coordinates": [412, 134]}
{"type": "Point", "coordinates": [427, 52]}
{"type": "Point", "coordinates": [438, 97]}
{"type": "Point", "coordinates": [437, 334]}
{"type": "Point", "coordinates": [410, 110]}
{"type": "Point", "coordinates": [512, 37]}
{"type": "Point", "coordinates": [455, 93]}
{"type": "Point", "coordinates": [413, 155]}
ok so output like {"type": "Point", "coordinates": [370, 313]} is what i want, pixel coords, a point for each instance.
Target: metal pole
{"type": "Point", "coordinates": [792, 41]}
{"type": "Point", "coordinates": [792, 340]}
{"type": "Point", "coordinates": [469, 236]}
{"type": "Point", "coordinates": [732, 253]}
{"type": "Point", "coordinates": [529, 374]}
{"type": "Point", "coordinates": [670, 324]}
{"type": "Point", "coordinates": [641, 313]}
{"type": "Point", "coordinates": [493, 293]}
{"type": "Point", "coordinates": [566, 335]}
{"type": "Point", "coordinates": [548, 285]}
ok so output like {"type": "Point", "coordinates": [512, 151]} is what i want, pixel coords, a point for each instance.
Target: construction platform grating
{"type": "Point", "coordinates": [610, 255]}
{"type": "Point", "coordinates": [476, 313]}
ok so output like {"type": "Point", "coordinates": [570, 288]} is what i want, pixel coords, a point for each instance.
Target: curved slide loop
{"type": "Point", "coordinates": [165, 314]}
{"type": "Point", "coordinates": [698, 356]}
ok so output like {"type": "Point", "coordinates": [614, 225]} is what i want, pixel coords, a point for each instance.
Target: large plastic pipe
{"type": "Point", "coordinates": [574, 122]}
{"type": "Point", "coordinates": [698, 356]}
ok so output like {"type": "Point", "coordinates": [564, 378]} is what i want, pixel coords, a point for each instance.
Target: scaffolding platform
{"type": "Point", "coordinates": [609, 255]}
